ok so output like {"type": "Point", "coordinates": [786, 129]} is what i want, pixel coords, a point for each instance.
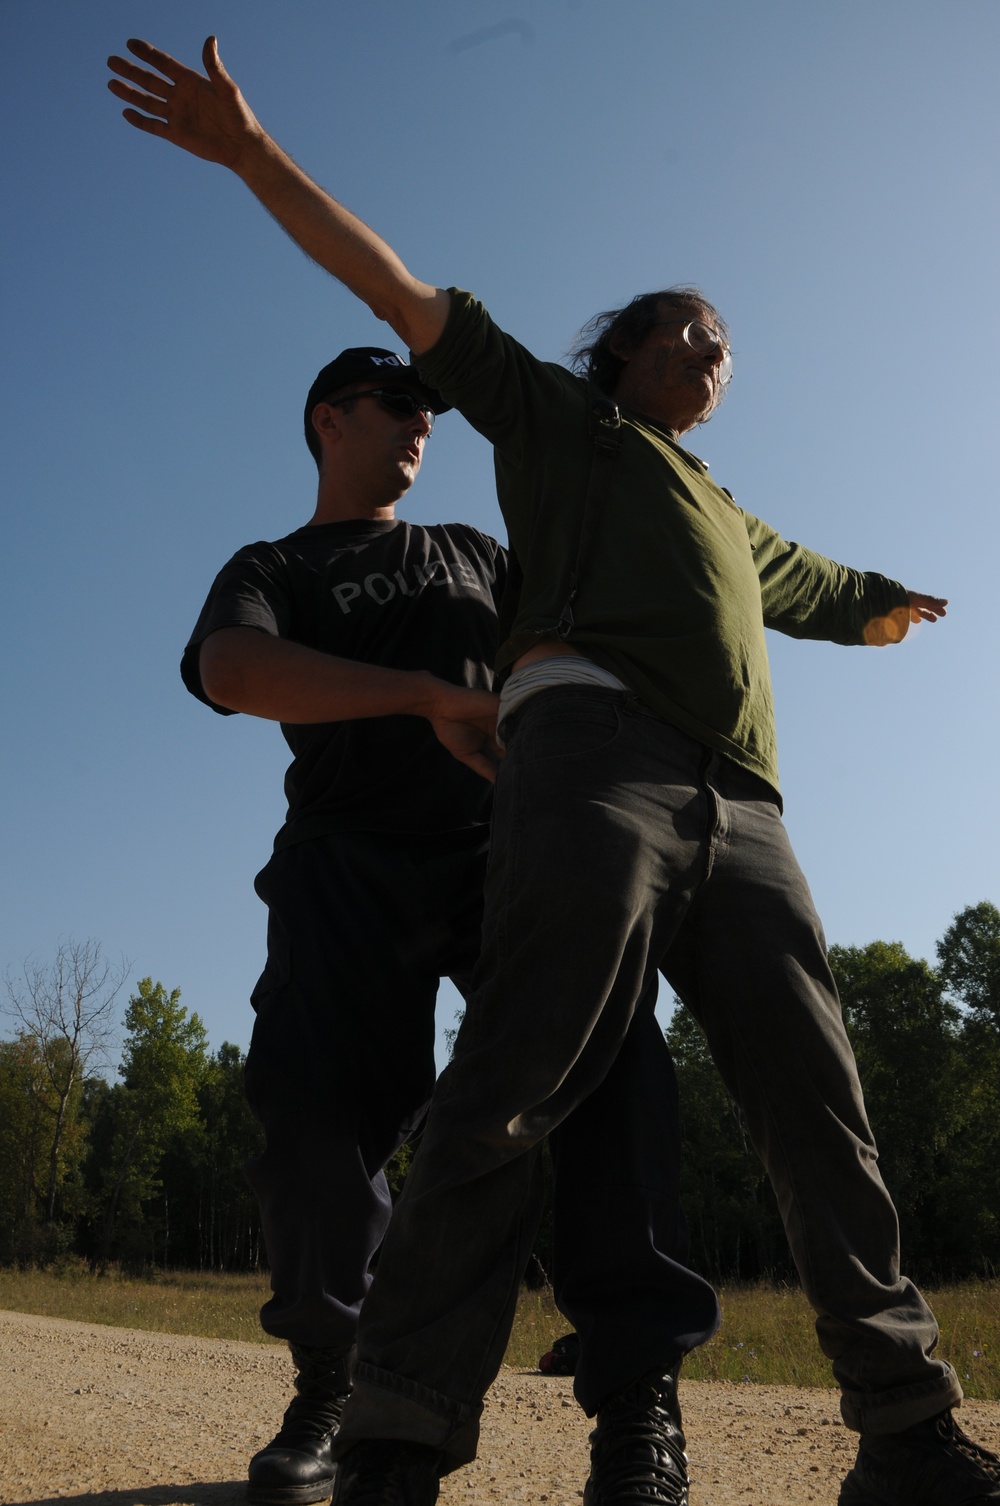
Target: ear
{"type": "Point", "coordinates": [619, 347]}
{"type": "Point", "coordinates": [326, 420]}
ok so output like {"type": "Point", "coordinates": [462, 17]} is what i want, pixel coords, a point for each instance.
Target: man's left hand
{"type": "Point", "coordinates": [927, 608]}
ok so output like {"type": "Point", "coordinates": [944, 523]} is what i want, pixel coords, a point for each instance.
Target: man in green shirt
{"type": "Point", "coordinates": [637, 826]}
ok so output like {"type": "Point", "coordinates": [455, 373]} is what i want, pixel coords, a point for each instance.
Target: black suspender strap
{"type": "Point", "coordinates": [604, 421]}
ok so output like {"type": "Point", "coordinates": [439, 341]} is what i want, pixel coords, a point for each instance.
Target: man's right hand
{"type": "Point", "coordinates": [206, 116]}
{"type": "Point", "coordinates": [465, 722]}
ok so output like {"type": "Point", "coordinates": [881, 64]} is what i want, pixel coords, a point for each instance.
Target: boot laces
{"type": "Point", "coordinates": [638, 1448]}
{"type": "Point", "coordinates": [321, 1393]}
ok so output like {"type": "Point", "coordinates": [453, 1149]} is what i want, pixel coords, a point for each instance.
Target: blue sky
{"type": "Point", "coordinates": [827, 172]}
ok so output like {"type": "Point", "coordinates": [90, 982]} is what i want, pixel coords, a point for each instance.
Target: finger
{"type": "Point", "coordinates": [146, 123]}
{"type": "Point", "coordinates": [162, 61]}
{"type": "Point", "coordinates": [142, 77]}
{"type": "Point", "coordinates": [135, 97]}
{"type": "Point", "coordinates": [214, 66]}
{"type": "Point", "coordinates": [482, 765]}
{"type": "Point", "coordinates": [211, 59]}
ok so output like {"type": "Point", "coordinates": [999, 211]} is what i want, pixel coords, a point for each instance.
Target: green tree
{"type": "Point", "coordinates": [735, 1227]}
{"type": "Point", "coordinates": [224, 1226]}
{"type": "Point", "coordinates": [969, 956]}
{"type": "Point", "coordinates": [23, 1149]}
{"type": "Point", "coordinates": [154, 1111]}
{"type": "Point", "coordinates": [906, 1036]}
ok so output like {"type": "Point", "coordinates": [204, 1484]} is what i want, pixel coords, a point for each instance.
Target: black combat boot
{"type": "Point", "coordinates": [297, 1467]}
{"type": "Point", "coordinates": [931, 1464]}
{"type": "Point", "coordinates": [388, 1472]}
{"type": "Point", "coordinates": [637, 1453]}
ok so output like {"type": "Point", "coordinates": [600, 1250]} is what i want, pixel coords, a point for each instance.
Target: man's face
{"type": "Point", "coordinates": [379, 448]}
{"type": "Point", "coordinates": [665, 379]}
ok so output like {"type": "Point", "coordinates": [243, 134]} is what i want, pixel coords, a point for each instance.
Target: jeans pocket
{"type": "Point", "coordinates": [565, 722]}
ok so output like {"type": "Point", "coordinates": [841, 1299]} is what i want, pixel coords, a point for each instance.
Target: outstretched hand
{"type": "Point", "coordinates": [465, 722]}
{"type": "Point", "coordinates": [893, 627]}
{"type": "Point", "coordinates": [207, 116]}
{"type": "Point", "coordinates": [927, 608]}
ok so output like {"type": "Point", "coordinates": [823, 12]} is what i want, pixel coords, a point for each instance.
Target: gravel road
{"type": "Point", "coordinates": [96, 1416]}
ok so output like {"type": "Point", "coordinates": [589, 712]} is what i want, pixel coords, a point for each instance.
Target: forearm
{"type": "Point", "coordinates": [343, 244]}
{"type": "Point", "coordinates": [807, 595]}
{"type": "Point", "coordinates": [249, 671]}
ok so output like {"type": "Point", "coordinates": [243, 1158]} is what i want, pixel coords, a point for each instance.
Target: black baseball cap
{"type": "Point", "coordinates": [367, 363]}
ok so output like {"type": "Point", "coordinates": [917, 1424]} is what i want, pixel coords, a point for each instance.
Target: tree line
{"type": "Point", "coordinates": [142, 1172]}
{"type": "Point", "coordinates": [146, 1171]}
{"type": "Point", "coordinates": [927, 1042]}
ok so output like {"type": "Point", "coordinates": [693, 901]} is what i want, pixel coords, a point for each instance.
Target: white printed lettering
{"type": "Point", "coordinates": [345, 593]}
{"type": "Point", "coordinates": [467, 575]}
{"type": "Point", "coordinates": [373, 592]}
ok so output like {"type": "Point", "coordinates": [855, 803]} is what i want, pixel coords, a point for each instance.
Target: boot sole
{"type": "Point", "coordinates": [291, 1495]}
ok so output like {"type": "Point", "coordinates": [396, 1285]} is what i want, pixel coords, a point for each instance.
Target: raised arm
{"type": "Point", "coordinates": [208, 116]}
{"type": "Point", "coordinates": [247, 670]}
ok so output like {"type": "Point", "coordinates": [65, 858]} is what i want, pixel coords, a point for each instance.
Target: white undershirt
{"type": "Point", "coordinates": [560, 669]}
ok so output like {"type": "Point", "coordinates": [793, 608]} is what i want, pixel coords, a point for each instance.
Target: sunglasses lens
{"type": "Point", "coordinates": [404, 405]}
{"type": "Point", "coordinates": [400, 403]}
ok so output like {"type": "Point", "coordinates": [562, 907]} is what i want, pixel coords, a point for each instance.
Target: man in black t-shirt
{"type": "Point", "coordinates": [374, 890]}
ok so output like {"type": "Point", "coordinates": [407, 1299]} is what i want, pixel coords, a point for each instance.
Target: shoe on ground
{"type": "Point", "coordinates": [563, 1357]}
{"type": "Point", "coordinates": [637, 1453]}
{"type": "Point", "coordinates": [297, 1466]}
{"type": "Point", "coordinates": [388, 1472]}
{"type": "Point", "coordinates": [932, 1464]}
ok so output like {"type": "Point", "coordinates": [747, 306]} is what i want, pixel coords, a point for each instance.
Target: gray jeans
{"type": "Point", "coordinates": [620, 846]}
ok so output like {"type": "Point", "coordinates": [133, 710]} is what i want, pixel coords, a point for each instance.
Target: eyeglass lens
{"type": "Point", "coordinates": [705, 342]}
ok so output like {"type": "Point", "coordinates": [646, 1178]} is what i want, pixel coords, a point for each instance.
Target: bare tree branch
{"type": "Point", "coordinates": [66, 1006]}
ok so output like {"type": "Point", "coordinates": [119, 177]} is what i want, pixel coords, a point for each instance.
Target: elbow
{"type": "Point", "coordinates": [223, 678]}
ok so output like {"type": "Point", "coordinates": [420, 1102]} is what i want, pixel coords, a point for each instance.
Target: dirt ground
{"type": "Point", "coordinates": [95, 1416]}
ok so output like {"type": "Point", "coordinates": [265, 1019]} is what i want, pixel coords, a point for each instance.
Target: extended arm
{"type": "Point", "coordinates": [247, 670]}
{"type": "Point", "coordinates": [806, 595]}
{"type": "Point", "coordinates": [209, 117]}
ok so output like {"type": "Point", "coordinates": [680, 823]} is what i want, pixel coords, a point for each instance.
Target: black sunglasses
{"type": "Point", "coordinates": [394, 400]}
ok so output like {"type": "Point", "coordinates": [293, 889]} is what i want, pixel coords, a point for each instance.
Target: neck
{"type": "Point", "coordinates": [339, 503]}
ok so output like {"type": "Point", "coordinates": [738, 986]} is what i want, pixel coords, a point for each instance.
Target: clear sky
{"type": "Point", "coordinates": [827, 172]}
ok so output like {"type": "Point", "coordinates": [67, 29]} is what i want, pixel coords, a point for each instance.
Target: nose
{"type": "Point", "coordinates": [422, 424]}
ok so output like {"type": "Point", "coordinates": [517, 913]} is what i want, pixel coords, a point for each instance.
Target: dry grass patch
{"type": "Point", "coordinates": [767, 1335]}
{"type": "Point", "coordinates": [215, 1305]}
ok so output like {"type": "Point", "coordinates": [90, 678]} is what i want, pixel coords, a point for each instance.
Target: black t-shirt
{"type": "Point", "coordinates": [383, 593]}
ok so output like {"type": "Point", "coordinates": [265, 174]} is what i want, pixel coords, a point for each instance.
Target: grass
{"type": "Point", "coordinates": [768, 1337]}
{"type": "Point", "coordinates": [217, 1306]}
{"type": "Point", "coordinates": [767, 1334]}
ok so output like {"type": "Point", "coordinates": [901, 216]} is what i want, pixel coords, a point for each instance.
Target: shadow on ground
{"type": "Point", "coordinates": [210, 1493]}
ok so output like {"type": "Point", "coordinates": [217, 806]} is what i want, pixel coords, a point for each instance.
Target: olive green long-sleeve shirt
{"type": "Point", "coordinates": [679, 582]}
